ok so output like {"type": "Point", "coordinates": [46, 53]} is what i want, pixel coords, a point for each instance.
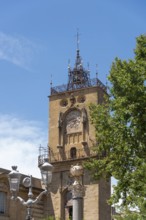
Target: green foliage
{"type": "Point", "coordinates": [49, 218]}
{"type": "Point", "coordinates": [52, 218]}
{"type": "Point", "coordinates": [135, 214]}
{"type": "Point", "coordinates": [120, 125]}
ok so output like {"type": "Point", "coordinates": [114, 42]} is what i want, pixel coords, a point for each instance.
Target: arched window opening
{"type": "Point", "coordinates": [2, 202]}
{"type": "Point", "coordinates": [70, 210]}
{"type": "Point", "coordinates": [73, 152]}
{"type": "Point", "coordinates": [68, 206]}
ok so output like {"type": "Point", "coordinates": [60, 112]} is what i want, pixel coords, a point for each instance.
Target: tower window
{"type": "Point", "coordinates": [73, 152]}
{"type": "Point", "coordinates": [2, 202]}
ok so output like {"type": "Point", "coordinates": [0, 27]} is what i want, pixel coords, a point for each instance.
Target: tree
{"type": "Point", "coordinates": [120, 125]}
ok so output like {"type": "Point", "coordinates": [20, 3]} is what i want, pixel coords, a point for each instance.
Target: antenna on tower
{"type": "Point", "coordinates": [69, 67]}
{"type": "Point", "coordinates": [51, 82]}
{"type": "Point", "coordinates": [106, 82]}
{"type": "Point", "coordinates": [96, 71]}
{"type": "Point", "coordinates": [88, 65]}
{"type": "Point", "coordinates": [68, 63]}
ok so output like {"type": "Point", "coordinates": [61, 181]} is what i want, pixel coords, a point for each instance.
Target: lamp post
{"type": "Point", "coordinates": [14, 180]}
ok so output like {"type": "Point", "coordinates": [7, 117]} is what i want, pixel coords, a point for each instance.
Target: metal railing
{"type": "Point", "coordinates": [66, 155]}
{"type": "Point", "coordinates": [64, 87]}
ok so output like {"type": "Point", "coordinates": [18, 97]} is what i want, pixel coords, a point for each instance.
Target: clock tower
{"type": "Point", "coordinates": [71, 139]}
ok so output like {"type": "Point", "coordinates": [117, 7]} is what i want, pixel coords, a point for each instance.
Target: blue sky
{"type": "Point", "coordinates": [37, 38]}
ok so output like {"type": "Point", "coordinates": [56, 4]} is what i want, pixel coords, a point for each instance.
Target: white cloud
{"type": "Point", "coordinates": [19, 144]}
{"type": "Point", "coordinates": [16, 50]}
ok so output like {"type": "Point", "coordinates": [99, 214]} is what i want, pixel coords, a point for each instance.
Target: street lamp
{"type": "Point", "coordinates": [46, 173]}
{"type": "Point", "coordinates": [14, 180]}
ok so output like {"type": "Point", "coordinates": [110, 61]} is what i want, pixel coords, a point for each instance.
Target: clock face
{"type": "Point", "coordinates": [73, 122]}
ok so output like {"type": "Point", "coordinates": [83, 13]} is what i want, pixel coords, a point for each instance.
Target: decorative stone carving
{"type": "Point", "coordinates": [76, 171]}
{"type": "Point", "coordinates": [60, 121]}
{"type": "Point", "coordinates": [72, 99]}
{"type": "Point", "coordinates": [73, 122]}
{"type": "Point", "coordinates": [78, 191]}
{"type": "Point", "coordinates": [77, 187]}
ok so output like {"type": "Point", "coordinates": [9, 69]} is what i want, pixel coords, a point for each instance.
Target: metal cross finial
{"type": "Point", "coordinates": [78, 38]}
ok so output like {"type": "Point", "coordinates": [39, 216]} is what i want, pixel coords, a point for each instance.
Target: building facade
{"type": "Point", "coordinates": [71, 141]}
{"type": "Point", "coordinates": [12, 209]}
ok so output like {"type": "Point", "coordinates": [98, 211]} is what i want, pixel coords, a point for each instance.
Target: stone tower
{"type": "Point", "coordinates": [71, 138]}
